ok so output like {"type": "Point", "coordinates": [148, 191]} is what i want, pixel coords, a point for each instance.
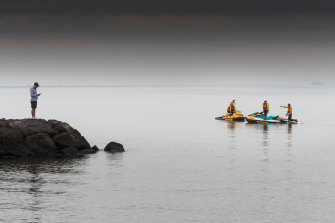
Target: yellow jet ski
{"type": "Point", "coordinates": [236, 116]}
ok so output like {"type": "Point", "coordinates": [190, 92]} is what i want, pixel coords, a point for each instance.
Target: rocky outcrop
{"type": "Point", "coordinates": [10, 136]}
{"type": "Point", "coordinates": [71, 152]}
{"type": "Point", "coordinates": [15, 150]}
{"type": "Point", "coordinates": [71, 139]}
{"type": "Point", "coordinates": [114, 147]}
{"type": "Point", "coordinates": [41, 144]}
{"type": "Point", "coordinates": [92, 150]}
{"type": "Point", "coordinates": [38, 137]}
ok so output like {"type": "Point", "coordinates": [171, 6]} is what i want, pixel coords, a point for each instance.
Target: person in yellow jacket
{"type": "Point", "coordinates": [289, 111]}
{"type": "Point", "coordinates": [266, 109]}
{"type": "Point", "coordinates": [233, 101]}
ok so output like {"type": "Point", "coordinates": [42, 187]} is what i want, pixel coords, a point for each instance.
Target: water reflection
{"type": "Point", "coordinates": [266, 144]}
{"type": "Point", "coordinates": [35, 181]}
{"type": "Point", "coordinates": [232, 126]}
{"type": "Point", "coordinates": [289, 135]}
{"type": "Point", "coordinates": [113, 160]}
{"type": "Point", "coordinates": [279, 131]}
{"type": "Point", "coordinates": [289, 142]}
{"type": "Point", "coordinates": [40, 165]}
{"type": "Point", "coordinates": [265, 129]}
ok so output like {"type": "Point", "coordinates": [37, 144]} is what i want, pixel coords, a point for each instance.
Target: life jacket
{"type": "Point", "coordinates": [230, 108]}
{"type": "Point", "coordinates": [289, 110]}
{"type": "Point", "coordinates": [265, 107]}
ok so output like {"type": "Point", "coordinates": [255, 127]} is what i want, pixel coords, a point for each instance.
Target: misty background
{"type": "Point", "coordinates": [181, 165]}
{"type": "Point", "coordinates": [167, 42]}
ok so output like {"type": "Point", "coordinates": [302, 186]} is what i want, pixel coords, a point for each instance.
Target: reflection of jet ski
{"type": "Point", "coordinates": [258, 117]}
{"type": "Point", "coordinates": [236, 116]}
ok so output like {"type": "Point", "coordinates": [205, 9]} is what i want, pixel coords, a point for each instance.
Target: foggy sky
{"type": "Point", "coordinates": [166, 42]}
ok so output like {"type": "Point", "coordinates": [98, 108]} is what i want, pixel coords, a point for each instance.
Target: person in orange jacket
{"type": "Point", "coordinates": [289, 111]}
{"type": "Point", "coordinates": [266, 109]}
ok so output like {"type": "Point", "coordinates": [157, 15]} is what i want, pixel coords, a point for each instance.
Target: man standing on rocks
{"type": "Point", "coordinates": [34, 97]}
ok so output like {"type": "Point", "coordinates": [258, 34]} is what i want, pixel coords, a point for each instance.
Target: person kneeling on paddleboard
{"type": "Point", "coordinates": [289, 111]}
{"type": "Point", "coordinates": [266, 109]}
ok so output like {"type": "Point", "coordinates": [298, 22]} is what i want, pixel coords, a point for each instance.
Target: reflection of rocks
{"type": "Point", "coordinates": [114, 147]}
{"type": "Point", "coordinates": [38, 137]}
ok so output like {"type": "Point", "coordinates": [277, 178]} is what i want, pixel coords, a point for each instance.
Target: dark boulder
{"type": "Point", "coordinates": [3, 150]}
{"type": "Point", "coordinates": [71, 152]}
{"type": "Point", "coordinates": [38, 137]}
{"type": "Point", "coordinates": [53, 122]}
{"type": "Point", "coordinates": [88, 151]}
{"type": "Point", "coordinates": [10, 136]}
{"type": "Point", "coordinates": [41, 145]}
{"type": "Point", "coordinates": [114, 147]}
{"type": "Point", "coordinates": [28, 127]}
{"type": "Point", "coordinates": [15, 150]}
{"type": "Point", "coordinates": [62, 127]}
{"type": "Point", "coordinates": [73, 139]}
{"type": "Point", "coordinates": [92, 150]}
{"type": "Point", "coordinates": [95, 148]}
{"type": "Point", "coordinates": [3, 123]}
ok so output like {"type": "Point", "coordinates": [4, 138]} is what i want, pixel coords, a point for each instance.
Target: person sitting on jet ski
{"type": "Point", "coordinates": [289, 111]}
{"type": "Point", "coordinates": [233, 101]}
{"type": "Point", "coordinates": [266, 109]}
{"type": "Point", "coordinates": [231, 108]}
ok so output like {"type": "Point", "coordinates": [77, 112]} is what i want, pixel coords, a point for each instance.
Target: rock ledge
{"type": "Point", "coordinates": [39, 137]}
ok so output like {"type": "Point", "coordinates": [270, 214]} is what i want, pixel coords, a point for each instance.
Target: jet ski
{"type": "Point", "coordinates": [292, 121]}
{"type": "Point", "coordinates": [258, 117]}
{"type": "Point", "coordinates": [236, 116]}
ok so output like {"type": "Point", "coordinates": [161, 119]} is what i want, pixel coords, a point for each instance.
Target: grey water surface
{"type": "Point", "coordinates": [180, 164]}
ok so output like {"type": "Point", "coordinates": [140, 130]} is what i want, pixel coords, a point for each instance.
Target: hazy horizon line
{"type": "Point", "coordinates": [312, 85]}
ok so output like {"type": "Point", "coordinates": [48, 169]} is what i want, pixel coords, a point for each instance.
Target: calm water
{"type": "Point", "coordinates": [181, 165]}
